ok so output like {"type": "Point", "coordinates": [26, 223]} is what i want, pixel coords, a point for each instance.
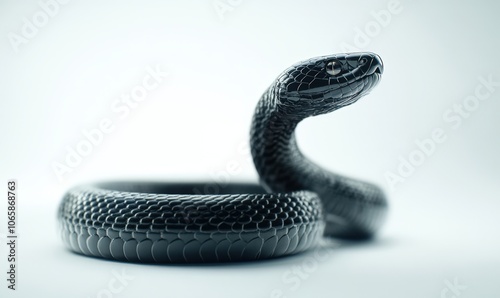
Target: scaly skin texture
{"type": "Point", "coordinates": [138, 226]}
{"type": "Point", "coordinates": [354, 209]}
{"type": "Point", "coordinates": [168, 223]}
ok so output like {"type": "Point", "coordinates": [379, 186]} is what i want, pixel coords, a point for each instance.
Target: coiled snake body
{"type": "Point", "coordinates": [299, 202]}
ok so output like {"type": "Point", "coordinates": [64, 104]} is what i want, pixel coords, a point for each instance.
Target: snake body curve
{"type": "Point", "coordinates": [298, 203]}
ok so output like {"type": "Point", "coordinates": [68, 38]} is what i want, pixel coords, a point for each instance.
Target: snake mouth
{"type": "Point", "coordinates": [354, 78]}
{"type": "Point", "coordinates": [356, 84]}
{"type": "Point", "coordinates": [376, 65]}
{"type": "Point", "coordinates": [330, 80]}
{"type": "Point", "coordinates": [372, 69]}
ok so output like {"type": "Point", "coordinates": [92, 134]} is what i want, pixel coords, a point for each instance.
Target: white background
{"type": "Point", "coordinates": [443, 221]}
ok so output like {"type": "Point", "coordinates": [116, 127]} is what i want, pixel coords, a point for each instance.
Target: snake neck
{"type": "Point", "coordinates": [283, 168]}
{"type": "Point", "coordinates": [276, 155]}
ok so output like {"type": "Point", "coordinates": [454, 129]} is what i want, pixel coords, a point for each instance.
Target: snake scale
{"type": "Point", "coordinates": [297, 203]}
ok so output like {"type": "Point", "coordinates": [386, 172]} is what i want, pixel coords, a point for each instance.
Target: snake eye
{"type": "Point", "coordinates": [333, 68]}
{"type": "Point", "coordinates": [363, 61]}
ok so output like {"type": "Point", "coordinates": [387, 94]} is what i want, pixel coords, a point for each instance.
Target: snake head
{"type": "Point", "coordinates": [329, 82]}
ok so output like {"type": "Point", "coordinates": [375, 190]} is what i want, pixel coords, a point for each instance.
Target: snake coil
{"type": "Point", "coordinates": [298, 202]}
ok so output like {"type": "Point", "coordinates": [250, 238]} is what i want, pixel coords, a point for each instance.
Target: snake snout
{"type": "Point", "coordinates": [376, 65]}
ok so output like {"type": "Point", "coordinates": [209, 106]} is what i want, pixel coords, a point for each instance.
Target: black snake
{"type": "Point", "coordinates": [298, 203]}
